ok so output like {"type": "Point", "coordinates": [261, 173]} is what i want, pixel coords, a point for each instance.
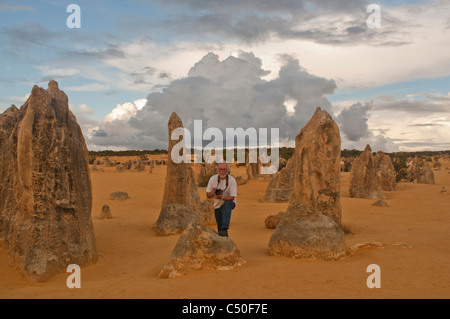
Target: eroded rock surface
{"type": "Point", "coordinates": [181, 204]}
{"type": "Point", "coordinates": [310, 228]}
{"type": "Point", "coordinates": [200, 247]}
{"type": "Point", "coordinates": [281, 186]}
{"type": "Point", "coordinates": [364, 182]}
{"type": "Point", "coordinates": [385, 172]}
{"type": "Point", "coordinates": [46, 188]}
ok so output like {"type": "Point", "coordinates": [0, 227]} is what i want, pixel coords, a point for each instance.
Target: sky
{"type": "Point", "coordinates": [236, 64]}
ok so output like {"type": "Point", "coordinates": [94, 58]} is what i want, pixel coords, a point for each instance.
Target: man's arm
{"type": "Point", "coordinates": [228, 198]}
{"type": "Point", "coordinates": [212, 194]}
{"type": "Point", "coordinates": [210, 190]}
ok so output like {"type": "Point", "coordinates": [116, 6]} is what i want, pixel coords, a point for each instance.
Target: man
{"type": "Point", "coordinates": [223, 188]}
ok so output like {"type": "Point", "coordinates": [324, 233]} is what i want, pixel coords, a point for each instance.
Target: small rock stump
{"type": "Point", "coordinates": [119, 196]}
{"type": "Point", "coordinates": [200, 247]}
{"type": "Point", "coordinates": [106, 212]}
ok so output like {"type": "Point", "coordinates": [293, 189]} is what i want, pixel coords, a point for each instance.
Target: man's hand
{"type": "Point", "coordinates": [211, 194]}
{"type": "Point", "coordinates": [214, 194]}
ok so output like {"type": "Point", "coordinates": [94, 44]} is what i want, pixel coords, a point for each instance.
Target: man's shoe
{"type": "Point", "coordinates": [223, 232]}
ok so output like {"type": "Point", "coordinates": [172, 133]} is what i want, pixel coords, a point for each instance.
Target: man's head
{"type": "Point", "coordinates": [223, 169]}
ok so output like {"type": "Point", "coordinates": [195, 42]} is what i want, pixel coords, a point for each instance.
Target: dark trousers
{"type": "Point", "coordinates": [223, 214]}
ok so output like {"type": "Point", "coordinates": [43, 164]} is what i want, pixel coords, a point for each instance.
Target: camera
{"type": "Point", "coordinates": [219, 192]}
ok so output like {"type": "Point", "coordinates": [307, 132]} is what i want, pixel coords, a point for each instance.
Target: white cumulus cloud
{"type": "Point", "coordinates": [229, 93]}
{"type": "Point", "coordinates": [125, 111]}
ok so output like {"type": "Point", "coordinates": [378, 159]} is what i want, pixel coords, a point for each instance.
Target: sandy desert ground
{"type": "Point", "coordinates": [131, 254]}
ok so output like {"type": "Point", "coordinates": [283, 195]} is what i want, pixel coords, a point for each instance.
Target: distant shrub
{"type": "Point", "coordinates": [401, 169]}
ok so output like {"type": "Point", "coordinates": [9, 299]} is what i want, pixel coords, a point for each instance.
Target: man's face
{"type": "Point", "coordinates": [222, 170]}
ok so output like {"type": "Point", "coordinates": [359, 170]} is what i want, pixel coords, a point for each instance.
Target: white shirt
{"type": "Point", "coordinates": [231, 190]}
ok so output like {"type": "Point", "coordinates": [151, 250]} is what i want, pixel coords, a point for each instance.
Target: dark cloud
{"type": "Point", "coordinates": [426, 124]}
{"type": "Point", "coordinates": [142, 75]}
{"type": "Point", "coordinates": [252, 21]}
{"type": "Point", "coordinates": [99, 133]}
{"type": "Point", "coordinates": [164, 75]}
{"type": "Point", "coordinates": [111, 93]}
{"type": "Point", "coordinates": [353, 121]}
{"type": "Point", "coordinates": [27, 34]}
{"type": "Point", "coordinates": [414, 106]}
{"type": "Point", "coordinates": [355, 30]}
{"type": "Point", "coordinates": [110, 51]}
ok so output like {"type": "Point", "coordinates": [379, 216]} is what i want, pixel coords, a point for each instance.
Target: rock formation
{"type": "Point", "coordinates": [200, 247]}
{"type": "Point", "coordinates": [137, 165]}
{"type": "Point", "coordinates": [121, 168]}
{"type": "Point", "coordinates": [346, 163]}
{"type": "Point", "coordinates": [106, 212]}
{"type": "Point", "coordinates": [181, 204]}
{"type": "Point", "coordinates": [108, 163]}
{"type": "Point", "coordinates": [94, 168]}
{"type": "Point", "coordinates": [282, 163]}
{"type": "Point", "coordinates": [272, 221]}
{"type": "Point", "coordinates": [310, 228]}
{"type": "Point", "coordinates": [8, 121]}
{"type": "Point", "coordinates": [280, 187]}
{"type": "Point", "coordinates": [436, 164]}
{"type": "Point", "coordinates": [316, 165]}
{"type": "Point", "coordinates": [205, 171]}
{"type": "Point", "coordinates": [363, 178]}
{"type": "Point", "coordinates": [380, 203]}
{"type": "Point", "coordinates": [45, 212]}
{"type": "Point", "coordinates": [119, 196]}
{"type": "Point", "coordinates": [422, 171]}
{"type": "Point", "coordinates": [403, 169]}
{"type": "Point", "coordinates": [385, 171]}
{"type": "Point", "coordinates": [305, 233]}
{"type": "Point", "coordinates": [253, 169]}
{"type": "Point", "coordinates": [240, 180]}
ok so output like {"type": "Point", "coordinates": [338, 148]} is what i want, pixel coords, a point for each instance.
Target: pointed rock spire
{"type": "Point", "coordinates": [181, 202]}
{"type": "Point", "coordinates": [310, 228]}
{"type": "Point", "coordinates": [46, 218]}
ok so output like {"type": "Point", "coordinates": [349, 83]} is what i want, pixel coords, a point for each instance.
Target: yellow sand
{"type": "Point", "coordinates": [131, 254]}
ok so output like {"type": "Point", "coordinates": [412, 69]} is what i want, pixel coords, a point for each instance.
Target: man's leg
{"type": "Point", "coordinates": [219, 217]}
{"type": "Point", "coordinates": [227, 207]}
